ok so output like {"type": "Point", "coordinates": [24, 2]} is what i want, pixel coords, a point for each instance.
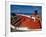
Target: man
{"type": "Point", "coordinates": [37, 20]}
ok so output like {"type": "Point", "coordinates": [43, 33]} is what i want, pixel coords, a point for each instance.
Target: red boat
{"type": "Point", "coordinates": [28, 21]}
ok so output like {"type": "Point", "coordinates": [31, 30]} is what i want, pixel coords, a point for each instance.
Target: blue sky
{"type": "Point", "coordinates": [24, 8]}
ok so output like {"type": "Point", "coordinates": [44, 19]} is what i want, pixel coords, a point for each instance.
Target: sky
{"type": "Point", "coordinates": [21, 9]}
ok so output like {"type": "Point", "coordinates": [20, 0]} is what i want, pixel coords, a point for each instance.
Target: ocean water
{"type": "Point", "coordinates": [25, 13]}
